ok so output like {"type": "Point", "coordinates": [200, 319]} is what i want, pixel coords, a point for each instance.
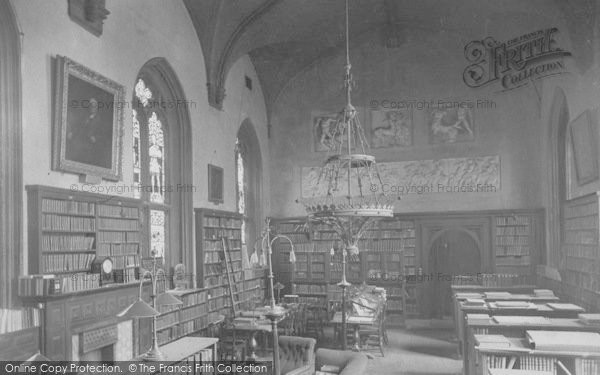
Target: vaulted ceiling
{"type": "Point", "coordinates": [285, 37]}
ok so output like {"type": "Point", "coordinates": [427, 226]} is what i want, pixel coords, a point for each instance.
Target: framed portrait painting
{"type": "Point", "coordinates": [88, 122]}
{"type": "Point", "coordinates": [215, 184]}
{"type": "Point", "coordinates": [391, 128]}
{"type": "Point", "coordinates": [450, 125]}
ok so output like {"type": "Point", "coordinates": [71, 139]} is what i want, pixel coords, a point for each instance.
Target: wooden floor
{"type": "Point", "coordinates": [425, 348]}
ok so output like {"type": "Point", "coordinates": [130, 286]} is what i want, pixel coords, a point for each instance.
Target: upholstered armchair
{"type": "Point", "coordinates": [297, 355]}
{"type": "Point", "coordinates": [350, 363]}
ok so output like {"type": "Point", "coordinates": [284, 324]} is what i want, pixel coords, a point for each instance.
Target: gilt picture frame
{"type": "Point", "coordinates": [88, 122]}
{"type": "Point", "coordinates": [585, 150]}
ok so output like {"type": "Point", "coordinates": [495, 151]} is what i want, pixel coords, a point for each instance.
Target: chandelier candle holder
{"type": "Point", "coordinates": [352, 195]}
{"type": "Point", "coordinates": [141, 309]}
{"type": "Point", "coordinates": [275, 312]}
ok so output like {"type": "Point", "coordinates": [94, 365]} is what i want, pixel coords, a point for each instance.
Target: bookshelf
{"type": "Point", "coordinates": [394, 250]}
{"type": "Point", "coordinates": [515, 239]}
{"type": "Point", "coordinates": [581, 278]}
{"type": "Point", "coordinates": [67, 230]}
{"type": "Point", "coordinates": [212, 226]}
{"type": "Point", "coordinates": [386, 258]}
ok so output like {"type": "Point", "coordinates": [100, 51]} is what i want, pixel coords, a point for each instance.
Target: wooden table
{"type": "Point", "coordinates": [191, 350]}
{"type": "Point", "coordinates": [253, 322]}
{"type": "Point", "coordinates": [355, 322]}
{"type": "Point", "coordinates": [458, 299]}
{"type": "Point", "coordinates": [491, 308]}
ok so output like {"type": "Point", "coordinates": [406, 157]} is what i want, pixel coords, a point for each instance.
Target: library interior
{"type": "Point", "coordinates": [300, 187]}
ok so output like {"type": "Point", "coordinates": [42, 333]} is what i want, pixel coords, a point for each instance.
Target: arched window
{"type": "Point", "coordinates": [149, 164]}
{"type": "Point", "coordinates": [162, 167]}
{"type": "Point", "coordinates": [249, 183]}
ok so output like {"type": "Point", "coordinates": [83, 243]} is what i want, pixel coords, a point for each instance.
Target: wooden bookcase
{"type": "Point", "coordinates": [387, 256]}
{"type": "Point", "coordinates": [581, 279]}
{"type": "Point", "coordinates": [515, 239]}
{"type": "Point", "coordinates": [212, 226]}
{"type": "Point", "coordinates": [67, 230]}
{"type": "Point", "coordinates": [394, 250]}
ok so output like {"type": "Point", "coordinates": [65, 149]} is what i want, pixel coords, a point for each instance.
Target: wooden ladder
{"type": "Point", "coordinates": [233, 288]}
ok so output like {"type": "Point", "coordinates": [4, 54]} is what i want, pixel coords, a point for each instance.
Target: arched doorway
{"type": "Point", "coordinates": [455, 252]}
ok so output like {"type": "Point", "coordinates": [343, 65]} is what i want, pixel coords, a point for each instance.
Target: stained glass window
{"type": "Point", "coordinates": [156, 152]}
{"type": "Point", "coordinates": [142, 92]}
{"type": "Point", "coordinates": [137, 171]}
{"type": "Point", "coordinates": [157, 233]}
{"type": "Point", "coordinates": [241, 185]}
{"type": "Point", "coordinates": [149, 173]}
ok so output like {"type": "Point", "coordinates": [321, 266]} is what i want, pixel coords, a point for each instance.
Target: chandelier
{"type": "Point", "coordinates": [348, 194]}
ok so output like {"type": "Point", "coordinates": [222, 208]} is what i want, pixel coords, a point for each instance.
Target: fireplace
{"type": "Point", "coordinates": [103, 342]}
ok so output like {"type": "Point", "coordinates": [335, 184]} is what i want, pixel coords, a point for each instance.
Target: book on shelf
{"type": "Point", "coordinates": [12, 320]}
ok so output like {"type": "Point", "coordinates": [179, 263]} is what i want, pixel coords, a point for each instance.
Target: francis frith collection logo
{"type": "Point", "coordinates": [516, 62]}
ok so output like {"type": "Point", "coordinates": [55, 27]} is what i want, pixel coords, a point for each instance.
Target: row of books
{"type": "Point", "coordinates": [309, 288]}
{"type": "Point", "coordinates": [580, 265]}
{"type": "Point", "coordinates": [215, 280]}
{"type": "Point", "coordinates": [217, 292]}
{"type": "Point", "coordinates": [166, 320]}
{"type": "Point", "coordinates": [580, 210]}
{"type": "Point", "coordinates": [112, 249]}
{"type": "Point", "coordinates": [584, 237]}
{"type": "Point", "coordinates": [513, 220]}
{"type": "Point", "coordinates": [12, 320]}
{"type": "Point", "coordinates": [397, 224]}
{"type": "Point", "coordinates": [38, 285]}
{"type": "Point", "coordinates": [513, 231]}
{"type": "Point", "coordinates": [67, 207]}
{"type": "Point", "coordinates": [118, 211]}
{"type": "Point", "coordinates": [581, 251]}
{"type": "Point", "coordinates": [213, 257]}
{"type": "Point", "coordinates": [118, 236]}
{"type": "Point", "coordinates": [512, 250]}
{"type": "Point", "coordinates": [512, 240]}
{"type": "Point", "coordinates": [125, 261]}
{"type": "Point", "coordinates": [389, 234]}
{"type": "Point", "coordinates": [223, 222]}
{"type": "Point", "coordinates": [68, 223]}
{"type": "Point", "coordinates": [118, 224]}
{"type": "Point", "coordinates": [585, 222]}
{"type": "Point", "coordinates": [194, 312]}
{"type": "Point", "coordinates": [78, 281]}
{"type": "Point", "coordinates": [66, 262]}
{"type": "Point", "coordinates": [513, 260]}
{"type": "Point", "coordinates": [386, 245]}
{"type": "Point", "coordinates": [371, 257]}
{"type": "Point", "coordinates": [217, 244]}
{"type": "Point", "coordinates": [52, 242]}
{"type": "Point", "coordinates": [218, 233]}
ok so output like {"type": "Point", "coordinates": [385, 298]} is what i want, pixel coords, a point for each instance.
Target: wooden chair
{"type": "Point", "coordinates": [313, 322]}
{"type": "Point", "coordinates": [232, 346]}
{"type": "Point", "coordinates": [373, 338]}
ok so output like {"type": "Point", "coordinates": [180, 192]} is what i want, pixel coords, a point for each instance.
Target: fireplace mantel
{"type": "Point", "coordinates": [65, 315]}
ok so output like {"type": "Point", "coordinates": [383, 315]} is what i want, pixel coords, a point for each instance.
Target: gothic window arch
{"type": "Point", "coordinates": [162, 167]}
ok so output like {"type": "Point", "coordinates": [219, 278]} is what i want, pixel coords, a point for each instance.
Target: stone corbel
{"type": "Point", "coordinates": [89, 14]}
